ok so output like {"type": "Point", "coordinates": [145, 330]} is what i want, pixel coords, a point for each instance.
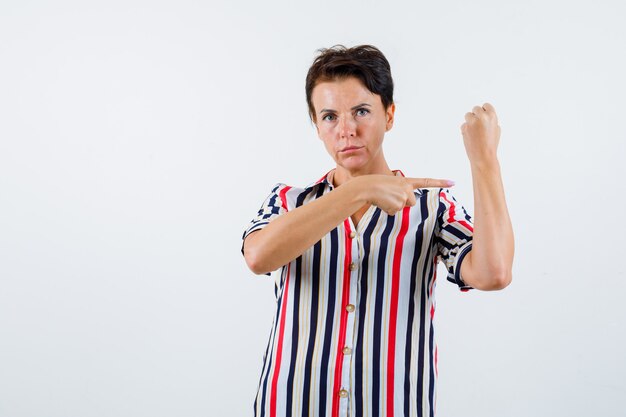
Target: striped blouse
{"type": "Point", "coordinates": [353, 331]}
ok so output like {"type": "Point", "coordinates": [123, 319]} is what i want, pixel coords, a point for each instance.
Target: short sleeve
{"type": "Point", "coordinates": [454, 233]}
{"type": "Point", "coordinates": [274, 205]}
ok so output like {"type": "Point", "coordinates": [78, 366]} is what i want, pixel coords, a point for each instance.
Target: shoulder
{"type": "Point", "coordinates": [289, 197]}
{"type": "Point", "coordinates": [278, 195]}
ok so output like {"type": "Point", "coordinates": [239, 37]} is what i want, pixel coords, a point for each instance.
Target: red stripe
{"type": "Point", "coordinates": [279, 348]}
{"type": "Point", "coordinates": [393, 313]}
{"type": "Point", "coordinates": [283, 197]}
{"type": "Point", "coordinates": [452, 213]}
{"type": "Point", "coordinates": [452, 210]}
{"type": "Point", "coordinates": [345, 295]}
{"type": "Point", "coordinates": [467, 225]}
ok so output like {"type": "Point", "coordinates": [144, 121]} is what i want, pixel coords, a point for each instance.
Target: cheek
{"type": "Point", "coordinates": [325, 131]}
{"type": "Point", "coordinates": [374, 130]}
{"type": "Point", "coordinates": [326, 136]}
{"type": "Point", "coordinates": [327, 142]}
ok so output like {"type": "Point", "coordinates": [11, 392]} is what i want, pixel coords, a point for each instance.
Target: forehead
{"type": "Point", "coordinates": [343, 92]}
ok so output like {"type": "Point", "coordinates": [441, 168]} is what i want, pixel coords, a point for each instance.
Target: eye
{"type": "Point", "coordinates": [362, 111]}
{"type": "Point", "coordinates": [329, 117]}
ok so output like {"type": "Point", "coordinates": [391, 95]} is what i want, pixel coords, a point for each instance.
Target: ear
{"type": "Point", "coordinates": [389, 114]}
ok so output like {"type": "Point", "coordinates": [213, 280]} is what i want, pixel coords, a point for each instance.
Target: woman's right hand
{"type": "Point", "coordinates": [392, 193]}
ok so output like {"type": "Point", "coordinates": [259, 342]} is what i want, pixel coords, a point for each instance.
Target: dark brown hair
{"type": "Point", "coordinates": [364, 62]}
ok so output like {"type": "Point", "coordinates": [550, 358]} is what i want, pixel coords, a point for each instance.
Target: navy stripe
{"type": "Point", "coordinates": [378, 315]}
{"type": "Point", "coordinates": [328, 326]}
{"type": "Point", "coordinates": [267, 363]}
{"type": "Point", "coordinates": [360, 338]}
{"type": "Point", "coordinates": [315, 284]}
{"type": "Point", "coordinates": [431, 385]}
{"type": "Point", "coordinates": [294, 333]}
{"type": "Point", "coordinates": [420, 353]}
{"type": "Point", "coordinates": [271, 343]}
{"type": "Point", "coordinates": [419, 240]}
{"type": "Point", "coordinates": [295, 325]}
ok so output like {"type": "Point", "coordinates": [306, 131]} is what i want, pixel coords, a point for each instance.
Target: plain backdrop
{"type": "Point", "coordinates": [139, 138]}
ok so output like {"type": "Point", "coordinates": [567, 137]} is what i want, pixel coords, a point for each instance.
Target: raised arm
{"type": "Point", "coordinates": [290, 234]}
{"type": "Point", "coordinates": [488, 266]}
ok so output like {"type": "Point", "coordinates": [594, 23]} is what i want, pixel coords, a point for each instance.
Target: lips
{"type": "Point", "coordinates": [350, 148]}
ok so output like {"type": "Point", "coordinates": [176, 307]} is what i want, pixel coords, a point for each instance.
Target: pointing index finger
{"type": "Point", "coordinates": [429, 182]}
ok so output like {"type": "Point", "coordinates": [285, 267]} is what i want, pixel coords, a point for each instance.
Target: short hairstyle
{"type": "Point", "coordinates": [365, 62]}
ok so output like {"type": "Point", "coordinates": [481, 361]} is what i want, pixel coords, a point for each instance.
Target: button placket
{"type": "Point", "coordinates": [350, 308]}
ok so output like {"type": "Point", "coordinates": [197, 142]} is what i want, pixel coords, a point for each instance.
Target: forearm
{"type": "Point", "coordinates": [491, 257]}
{"type": "Point", "coordinates": [289, 235]}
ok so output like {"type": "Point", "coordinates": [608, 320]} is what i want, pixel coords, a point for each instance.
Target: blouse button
{"type": "Point", "coordinates": [343, 393]}
{"type": "Point", "coordinates": [350, 308]}
{"type": "Point", "coordinates": [352, 266]}
{"type": "Point", "coordinates": [353, 235]}
{"type": "Point", "coordinates": [347, 350]}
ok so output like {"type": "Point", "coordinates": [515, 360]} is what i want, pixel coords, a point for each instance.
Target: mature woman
{"type": "Point", "coordinates": [358, 252]}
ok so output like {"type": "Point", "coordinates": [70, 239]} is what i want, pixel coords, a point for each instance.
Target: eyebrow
{"type": "Point", "coordinates": [353, 108]}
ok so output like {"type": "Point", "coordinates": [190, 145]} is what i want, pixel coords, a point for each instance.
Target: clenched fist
{"type": "Point", "coordinates": [481, 133]}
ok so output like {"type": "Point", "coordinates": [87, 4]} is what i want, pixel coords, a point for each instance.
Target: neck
{"type": "Point", "coordinates": [343, 175]}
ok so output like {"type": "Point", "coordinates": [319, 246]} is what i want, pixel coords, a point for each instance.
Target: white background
{"type": "Point", "coordinates": [138, 139]}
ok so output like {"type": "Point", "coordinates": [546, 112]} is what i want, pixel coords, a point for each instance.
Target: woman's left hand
{"type": "Point", "coordinates": [481, 134]}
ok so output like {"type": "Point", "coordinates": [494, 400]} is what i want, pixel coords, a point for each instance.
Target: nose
{"type": "Point", "coordinates": [347, 127]}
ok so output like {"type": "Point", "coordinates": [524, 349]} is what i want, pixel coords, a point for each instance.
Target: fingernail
{"type": "Point", "coordinates": [450, 183]}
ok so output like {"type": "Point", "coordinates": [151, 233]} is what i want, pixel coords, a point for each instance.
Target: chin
{"type": "Point", "coordinates": [352, 165]}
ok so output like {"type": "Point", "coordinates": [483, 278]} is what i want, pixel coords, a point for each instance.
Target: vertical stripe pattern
{"type": "Point", "coordinates": [353, 332]}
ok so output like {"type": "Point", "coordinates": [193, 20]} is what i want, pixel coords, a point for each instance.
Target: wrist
{"type": "Point", "coordinates": [486, 164]}
{"type": "Point", "coordinates": [359, 190]}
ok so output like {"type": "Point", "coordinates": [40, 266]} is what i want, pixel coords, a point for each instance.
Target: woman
{"type": "Point", "coordinates": [358, 251]}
